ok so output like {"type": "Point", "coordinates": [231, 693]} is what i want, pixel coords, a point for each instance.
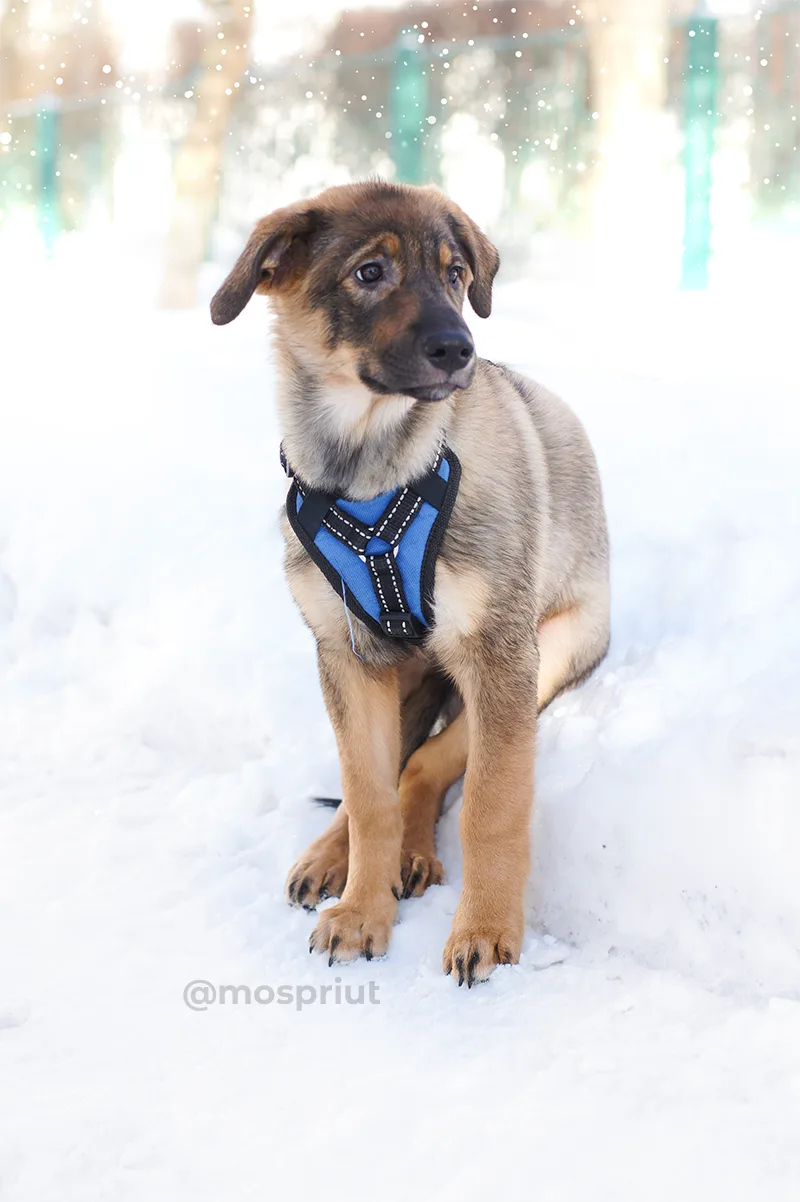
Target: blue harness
{"type": "Point", "coordinates": [380, 555]}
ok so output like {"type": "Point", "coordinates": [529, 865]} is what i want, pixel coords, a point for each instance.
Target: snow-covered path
{"type": "Point", "coordinates": [154, 773]}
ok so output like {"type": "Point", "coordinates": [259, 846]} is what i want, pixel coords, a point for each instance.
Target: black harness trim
{"type": "Point", "coordinates": [321, 510]}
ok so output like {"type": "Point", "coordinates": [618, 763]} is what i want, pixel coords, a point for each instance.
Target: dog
{"type": "Point", "coordinates": [377, 372]}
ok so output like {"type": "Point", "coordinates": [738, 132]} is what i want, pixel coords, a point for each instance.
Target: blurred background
{"type": "Point", "coordinates": [637, 142]}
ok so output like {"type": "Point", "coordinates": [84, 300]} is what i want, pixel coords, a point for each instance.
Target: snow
{"type": "Point", "coordinates": [162, 729]}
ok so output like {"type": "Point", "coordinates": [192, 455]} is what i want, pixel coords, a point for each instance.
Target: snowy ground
{"type": "Point", "coordinates": [154, 770]}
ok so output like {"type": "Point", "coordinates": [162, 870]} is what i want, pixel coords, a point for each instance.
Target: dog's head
{"type": "Point", "coordinates": [372, 277]}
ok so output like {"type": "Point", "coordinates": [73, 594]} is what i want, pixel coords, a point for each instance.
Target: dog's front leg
{"type": "Point", "coordinates": [364, 707]}
{"type": "Point", "coordinates": [499, 691]}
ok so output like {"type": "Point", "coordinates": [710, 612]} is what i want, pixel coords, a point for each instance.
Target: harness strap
{"type": "Point", "coordinates": [348, 529]}
{"type": "Point", "coordinates": [396, 618]}
{"type": "Point", "coordinates": [397, 515]}
{"type": "Point", "coordinates": [316, 505]}
{"type": "Point", "coordinates": [433, 487]}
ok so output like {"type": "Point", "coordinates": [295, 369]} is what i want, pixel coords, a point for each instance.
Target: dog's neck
{"type": "Point", "coordinates": [341, 438]}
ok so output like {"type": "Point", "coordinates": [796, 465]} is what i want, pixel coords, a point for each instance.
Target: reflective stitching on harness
{"type": "Point", "coordinates": [337, 513]}
{"type": "Point", "coordinates": [392, 511]}
{"type": "Point", "coordinates": [377, 580]}
{"type": "Point", "coordinates": [393, 573]}
{"type": "Point", "coordinates": [338, 534]}
{"type": "Point", "coordinates": [411, 514]}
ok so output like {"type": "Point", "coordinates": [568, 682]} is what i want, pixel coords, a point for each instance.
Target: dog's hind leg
{"type": "Point", "coordinates": [430, 772]}
{"type": "Point", "coordinates": [321, 871]}
{"type": "Point", "coordinates": [571, 644]}
{"type": "Point", "coordinates": [423, 701]}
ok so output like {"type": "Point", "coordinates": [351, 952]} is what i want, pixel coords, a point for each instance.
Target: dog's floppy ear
{"type": "Point", "coordinates": [482, 257]}
{"type": "Point", "coordinates": [274, 253]}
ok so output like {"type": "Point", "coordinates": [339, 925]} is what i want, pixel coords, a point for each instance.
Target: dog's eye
{"type": "Point", "coordinates": [455, 274]}
{"type": "Point", "coordinates": [369, 273]}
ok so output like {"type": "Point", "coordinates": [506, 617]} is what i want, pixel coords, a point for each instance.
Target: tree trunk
{"type": "Point", "coordinates": [197, 168]}
{"type": "Point", "coordinates": [628, 44]}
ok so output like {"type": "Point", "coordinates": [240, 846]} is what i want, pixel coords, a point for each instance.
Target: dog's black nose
{"type": "Point", "coordinates": [449, 350]}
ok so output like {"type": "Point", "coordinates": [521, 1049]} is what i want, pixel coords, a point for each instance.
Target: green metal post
{"type": "Point", "coordinates": [701, 114]}
{"type": "Point", "coordinates": [408, 105]}
{"type": "Point", "coordinates": [47, 138]}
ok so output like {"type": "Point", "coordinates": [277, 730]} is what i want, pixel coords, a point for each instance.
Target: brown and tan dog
{"type": "Point", "coordinates": [376, 365]}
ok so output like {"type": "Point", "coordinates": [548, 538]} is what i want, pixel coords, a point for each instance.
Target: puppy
{"type": "Point", "coordinates": [379, 389]}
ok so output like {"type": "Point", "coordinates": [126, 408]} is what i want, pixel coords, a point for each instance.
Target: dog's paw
{"type": "Point", "coordinates": [317, 875]}
{"type": "Point", "coordinates": [418, 871]}
{"type": "Point", "coordinates": [473, 951]}
{"type": "Point", "coordinates": [345, 932]}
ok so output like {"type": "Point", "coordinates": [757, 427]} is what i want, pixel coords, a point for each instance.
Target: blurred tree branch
{"type": "Point", "coordinates": [196, 174]}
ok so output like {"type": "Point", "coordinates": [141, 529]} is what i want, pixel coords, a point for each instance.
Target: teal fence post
{"type": "Point", "coordinates": [408, 105]}
{"type": "Point", "coordinates": [48, 122]}
{"type": "Point", "coordinates": [701, 114]}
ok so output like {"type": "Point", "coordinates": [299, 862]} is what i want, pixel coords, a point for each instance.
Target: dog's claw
{"type": "Point", "coordinates": [412, 883]}
{"type": "Point", "coordinates": [316, 875]}
{"type": "Point", "coordinates": [473, 955]}
{"type": "Point", "coordinates": [344, 933]}
{"type": "Point", "coordinates": [418, 871]}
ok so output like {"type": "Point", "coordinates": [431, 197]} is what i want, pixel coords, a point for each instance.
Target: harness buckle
{"type": "Point", "coordinates": [400, 626]}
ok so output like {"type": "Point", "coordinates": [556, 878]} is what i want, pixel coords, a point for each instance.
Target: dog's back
{"type": "Point", "coordinates": [577, 551]}
{"type": "Point", "coordinates": [532, 499]}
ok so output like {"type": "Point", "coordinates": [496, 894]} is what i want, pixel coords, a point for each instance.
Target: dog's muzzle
{"type": "Point", "coordinates": [448, 350]}
{"type": "Point", "coordinates": [437, 359]}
